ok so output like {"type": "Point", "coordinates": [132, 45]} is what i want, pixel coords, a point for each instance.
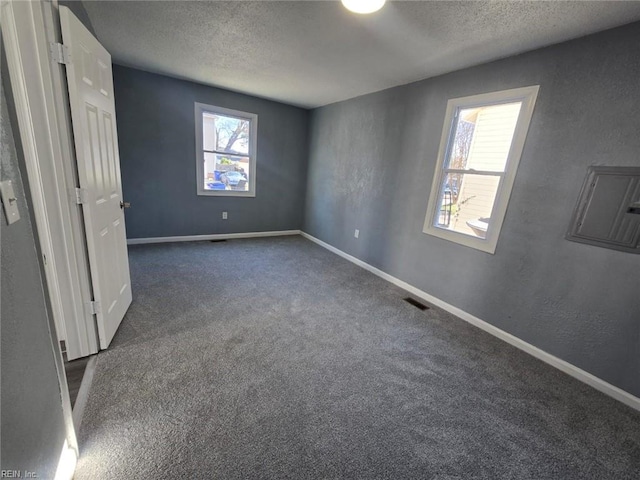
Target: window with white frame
{"type": "Point", "coordinates": [225, 151]}
{"type": "Point", "coordinates": [480, 148]}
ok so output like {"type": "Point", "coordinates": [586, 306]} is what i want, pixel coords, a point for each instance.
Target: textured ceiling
{"type": "Point", "coordinates": [311, 53]}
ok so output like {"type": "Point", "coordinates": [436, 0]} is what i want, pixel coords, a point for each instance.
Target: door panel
{"type": "Point", "coordinates": [90, 83]}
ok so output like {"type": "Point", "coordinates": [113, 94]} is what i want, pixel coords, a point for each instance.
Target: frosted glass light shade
{"type": "Point", "coordinates": [363, 6]}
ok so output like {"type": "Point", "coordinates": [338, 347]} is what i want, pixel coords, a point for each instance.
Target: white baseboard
{"type": "Point", "coordinates": [215, 236]}
{"type": "Point", "coordinates": [67, 463]}
{"type": "Point", "coordinates": [83, 392]}
{"type": "Point", "coordinates": [595, 382]}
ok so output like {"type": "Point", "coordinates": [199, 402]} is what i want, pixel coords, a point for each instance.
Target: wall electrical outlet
{"type": "Point", "coordinates": [356, 233]}
{"type": "Point", "coordinates": [224, 215]}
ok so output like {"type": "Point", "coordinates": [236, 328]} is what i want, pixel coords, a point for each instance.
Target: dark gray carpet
{"type": "Point", "coordinates": [273, 358]}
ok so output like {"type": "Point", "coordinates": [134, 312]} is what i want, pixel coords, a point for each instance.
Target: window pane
{"type": "Point", "coordinates": [225, 134]}
{"type": "Point", "coordinates": [466, 202]}
{"type": "Point", "coordinates": [482, 137]}
{"type": "Point", "coordinates": [226, 172]}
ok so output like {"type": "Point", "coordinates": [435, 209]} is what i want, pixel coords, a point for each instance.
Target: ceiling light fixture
{"type": "Point", "coordinates": [363, 6]}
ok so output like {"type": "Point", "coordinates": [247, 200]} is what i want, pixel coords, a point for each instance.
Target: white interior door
{"type": "Point", "coordinates": [93, 115]}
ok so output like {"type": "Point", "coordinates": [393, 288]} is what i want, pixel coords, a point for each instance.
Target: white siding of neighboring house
{"type": "Point", "coordinates": [210, 140]}
{"type": "Point", "coordinates": [489, 150]}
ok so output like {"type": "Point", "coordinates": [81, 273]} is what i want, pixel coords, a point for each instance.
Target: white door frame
{"type": "Point", "coordinates": [41, 103]}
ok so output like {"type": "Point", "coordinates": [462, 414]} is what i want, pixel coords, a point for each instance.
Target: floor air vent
{"type": "Point", "coordinates": [416, 303]}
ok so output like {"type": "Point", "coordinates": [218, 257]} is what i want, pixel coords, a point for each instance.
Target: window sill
{"type": "Point", "coordinates": [483, 244]}
{"type": "Point", "coordinates": [225, 193]}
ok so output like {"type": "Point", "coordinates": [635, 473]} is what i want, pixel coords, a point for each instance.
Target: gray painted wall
{"type": "Point", "coordinates": [372, 160]}
{"type": "Point", "coordinates": [156, 130]}
{"type": "Point", "coordinates": [33, 430]}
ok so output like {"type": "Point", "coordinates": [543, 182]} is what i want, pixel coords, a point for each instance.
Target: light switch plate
{"type": "Point", "coordinates": [9, 201]}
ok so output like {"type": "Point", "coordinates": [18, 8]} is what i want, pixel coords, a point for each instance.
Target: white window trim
{"type": "Point", "coordinates": [527, 95]}
{"type": "Point", "coordinates": [200, 108]}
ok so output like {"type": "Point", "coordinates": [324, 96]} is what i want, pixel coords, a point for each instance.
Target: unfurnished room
{"type": "Point", "coordinates": [338, 239]}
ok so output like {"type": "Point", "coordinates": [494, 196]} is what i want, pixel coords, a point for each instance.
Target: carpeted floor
{"type": "Point", "coordinates": [273, 358]}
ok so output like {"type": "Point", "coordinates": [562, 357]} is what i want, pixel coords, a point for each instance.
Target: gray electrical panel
{"type": "Point", "coordinates": [608, 210]}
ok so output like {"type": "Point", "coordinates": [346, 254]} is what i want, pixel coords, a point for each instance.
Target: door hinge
{"type": "Point", "coordinates": [60, 53]}
{"type": "Point", "coordinates": [94, 307]}
{"type": "Point", "coordinates": [80, 195]}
